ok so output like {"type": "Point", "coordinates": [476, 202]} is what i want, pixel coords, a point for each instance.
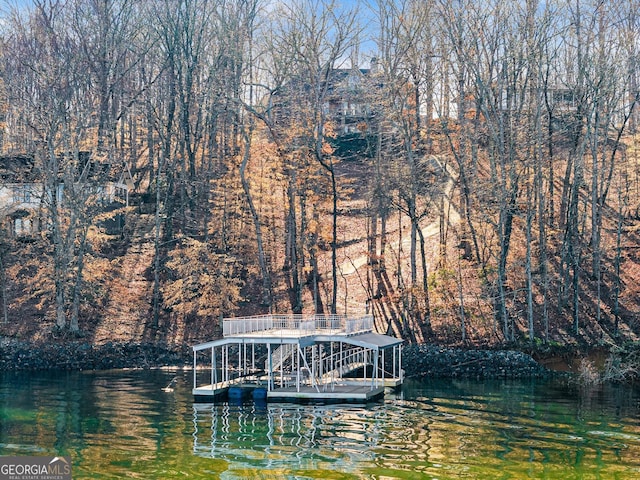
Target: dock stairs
{"type": "Point", "coordinates": [281, 356]}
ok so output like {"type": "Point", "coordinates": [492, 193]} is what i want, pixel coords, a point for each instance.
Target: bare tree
{"type": "Point", "coordinates": [48, 86]}
{"type": "Point", "coordinates": [310, 40]}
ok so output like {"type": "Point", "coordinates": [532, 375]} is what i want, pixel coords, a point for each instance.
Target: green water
{"type": "Point", "coordinates": [120, 424]}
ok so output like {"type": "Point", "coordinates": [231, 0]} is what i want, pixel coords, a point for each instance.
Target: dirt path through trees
{"type": "Point", "coordinates": [350, 266]}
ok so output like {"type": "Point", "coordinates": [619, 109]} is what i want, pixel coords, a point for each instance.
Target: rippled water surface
{"type": "Point", "coordinates": [122, 424]}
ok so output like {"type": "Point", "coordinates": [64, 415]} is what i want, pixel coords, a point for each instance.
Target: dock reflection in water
{"type": "Point", "coordinates": [286, 436]}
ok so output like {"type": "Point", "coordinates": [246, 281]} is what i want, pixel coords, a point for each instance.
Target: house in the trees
{"type": "Point", "coordinates": [349, 99]}
{"type": "Point", "coordinates": [562, 103]}
{"type": "Point", "coordinates": [348, 102]}
{"type": "Point", "coordinates": [562, 99]}
{"type": "Point", "coordinates": [23, 194]}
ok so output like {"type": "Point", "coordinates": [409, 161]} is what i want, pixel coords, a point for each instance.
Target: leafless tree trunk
{"type": "Point", "coordinates": [262, 259]}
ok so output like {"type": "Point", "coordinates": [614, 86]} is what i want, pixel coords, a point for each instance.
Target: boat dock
{"type": "Point", "coordinates": [298, 358]}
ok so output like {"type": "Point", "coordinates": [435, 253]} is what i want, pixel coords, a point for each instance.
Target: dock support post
{"type": "Point", "coordinates": [374, 374]}
{"type": "Point", "coordinates": [225, 363]}
{"type": "Point", "coordinates": [394, 363]}
{"type": "Point", "coordinates": [281, 366]}
{"type": "Point", "coordinates": [214, 370]}
{"type": "Point", "coordinates": [333, 370]}
{"type": "Point", "coordinates": [194, 370]}
{"type": "Point", "coordinates": [365, 353]}
{"type": "Point", "coordinates": [296, 365]}
{"type": "Point", "coordinates": [270, 368]}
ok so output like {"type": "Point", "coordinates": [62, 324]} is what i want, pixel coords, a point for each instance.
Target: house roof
{"type": "Point", "coordinates": [18, 168]}
{"type": "Point", "coordinates": [338, 80]}
{"type": "Point", "coordinates": [22, 168]}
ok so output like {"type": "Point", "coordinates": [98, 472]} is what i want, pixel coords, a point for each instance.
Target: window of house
{"type": "Point", "coordinates": [22, 226]}
{"type": "Point", "coordinates": [22, 194]}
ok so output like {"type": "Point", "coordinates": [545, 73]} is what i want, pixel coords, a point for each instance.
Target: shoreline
{"type": "Point", "coordinates": [18, 355]}
{"type": "Point", "coordinates": [435, 361]}
{"type": "Point", "coordinates": [419, 361]}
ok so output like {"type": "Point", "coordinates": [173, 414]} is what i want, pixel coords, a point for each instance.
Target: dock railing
{"type": "Point", "coordinates": [302, 324]}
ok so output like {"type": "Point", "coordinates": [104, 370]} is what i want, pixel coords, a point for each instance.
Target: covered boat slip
{"type": "Point", "coordinates": [298, 358]}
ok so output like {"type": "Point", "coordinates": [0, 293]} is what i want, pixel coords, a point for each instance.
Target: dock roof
{"type": "Point", "coordinates": [305, 331]}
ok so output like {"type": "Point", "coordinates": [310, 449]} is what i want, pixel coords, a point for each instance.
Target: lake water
{"type": "Point", "coordinates": [120, 424]}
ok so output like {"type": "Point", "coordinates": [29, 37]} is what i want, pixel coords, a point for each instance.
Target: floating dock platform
{"type": "Point", "coordinates": [297, 358]}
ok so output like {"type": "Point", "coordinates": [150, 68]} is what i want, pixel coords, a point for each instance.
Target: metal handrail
{"type": "Point", "coordinates": [339, 364]}
{"type": "Point", "coordinates": [297, 323]}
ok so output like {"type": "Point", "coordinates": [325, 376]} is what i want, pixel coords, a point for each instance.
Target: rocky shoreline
{"type": "Point", "coordinates": [419, 361]}
{"type": "Point", "coordinates": [76, 355]}
{"type": "Point", "coordinates": [423, 361]}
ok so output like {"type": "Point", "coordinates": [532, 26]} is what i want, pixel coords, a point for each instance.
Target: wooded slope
{"type": "Point", "coordinates": [476, 182]}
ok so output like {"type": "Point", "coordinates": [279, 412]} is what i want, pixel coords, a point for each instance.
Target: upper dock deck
{"type": "Point", "coordinates": [296, 326]}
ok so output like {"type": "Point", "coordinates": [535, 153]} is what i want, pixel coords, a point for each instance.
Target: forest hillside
{"type": "Point", "coordinates": [467, 173]}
